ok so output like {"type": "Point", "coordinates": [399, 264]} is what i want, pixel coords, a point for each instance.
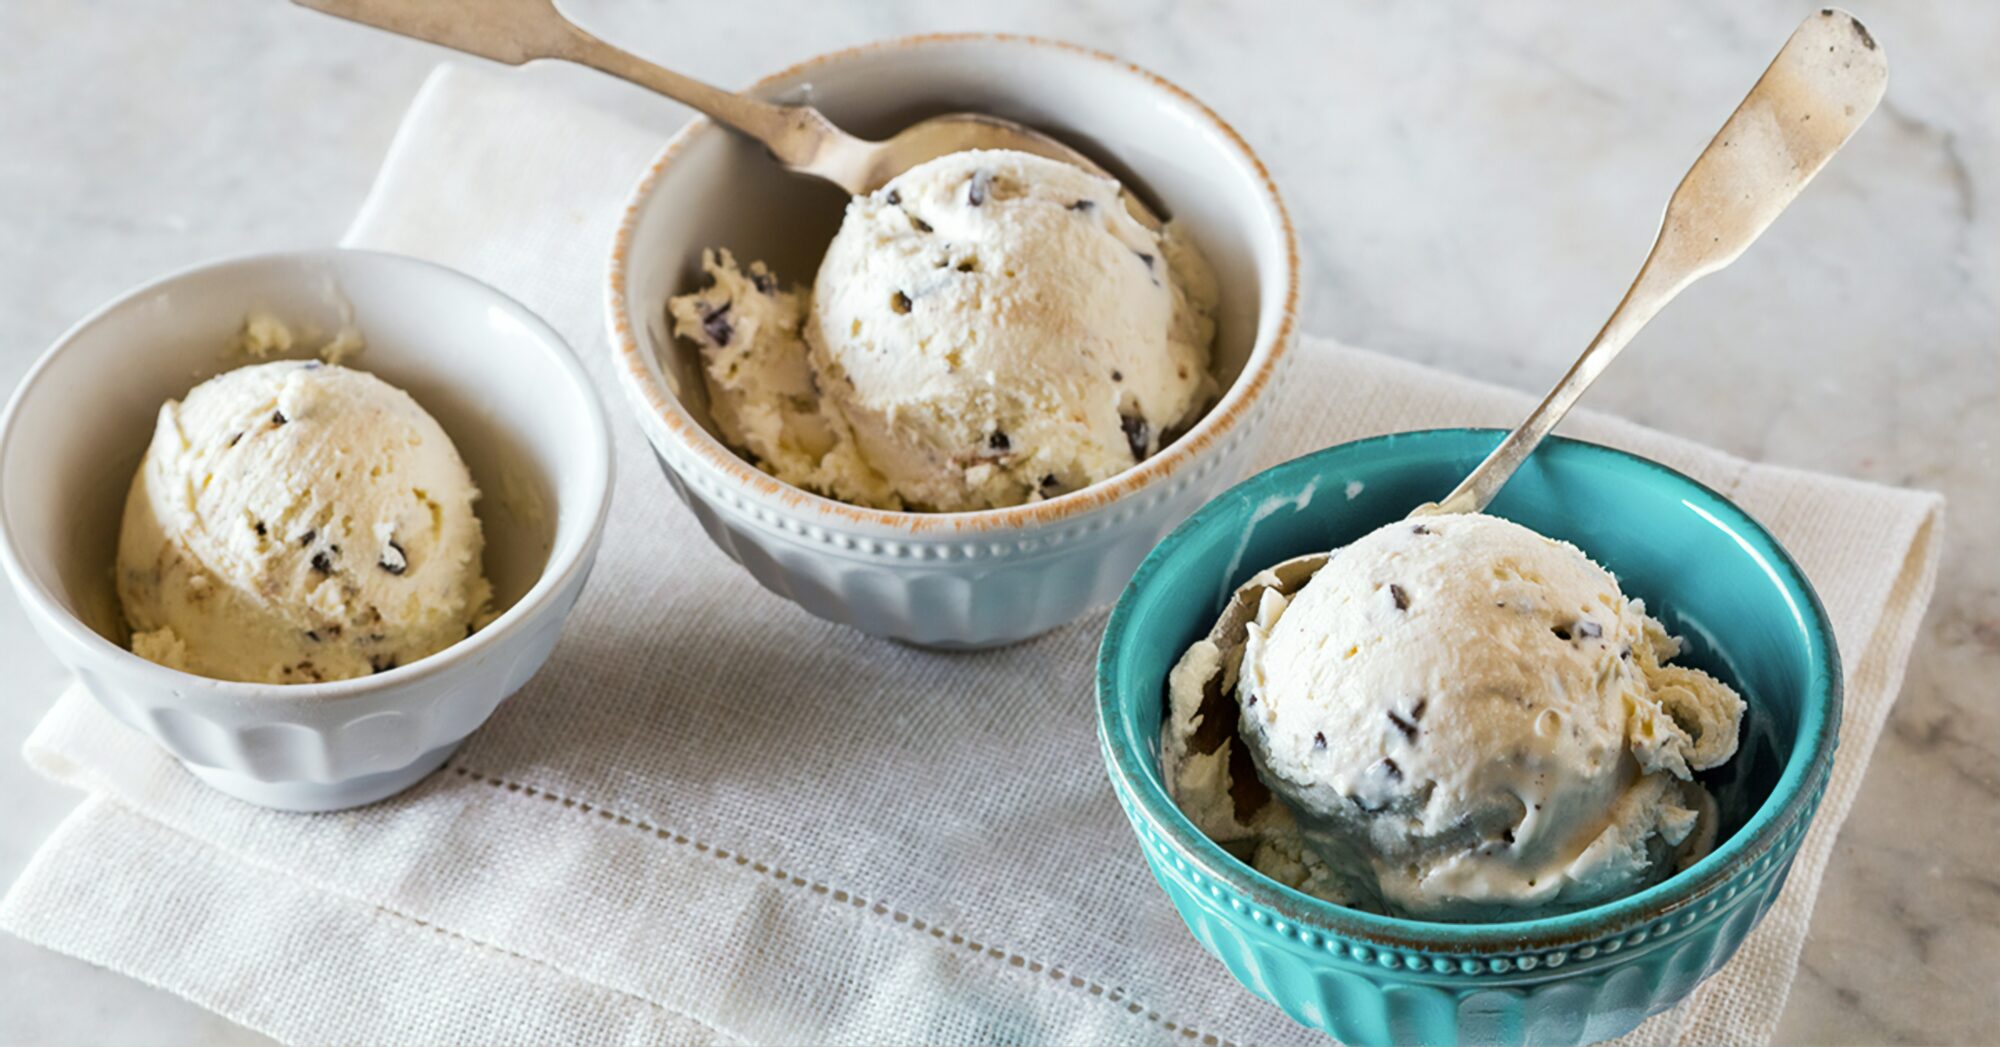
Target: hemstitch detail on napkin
{"type": "Point", "coordinates": [839, 897]}
{"type": "Point", "coordinates": [477, 945]}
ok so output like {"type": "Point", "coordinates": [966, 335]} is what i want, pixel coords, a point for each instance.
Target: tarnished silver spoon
{"type": "Point", "coordinates": [799, 136]}
{"type": "Point", "coordinates": [1825, 81]}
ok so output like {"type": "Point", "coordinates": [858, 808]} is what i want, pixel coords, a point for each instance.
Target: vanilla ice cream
{"type": "Point", "coordinates": [298, 522]}
{"type": "Point", "coordinates": [1459, 719]}
{"type": "Point", "coordinates": [988, 329]}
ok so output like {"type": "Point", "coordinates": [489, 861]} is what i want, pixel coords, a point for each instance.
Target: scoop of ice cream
{"type": "Point", "coordinates": [1466, 720]}
{"type": "Point", "coordinates": [994, 324]}
{"type": "Point", "coordinates": [988, 329]}
{"type": "Point", "coordinates": [298, 522]}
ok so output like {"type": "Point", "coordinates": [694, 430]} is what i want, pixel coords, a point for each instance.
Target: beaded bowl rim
{"type": "Point", "coordinates": [870, 547]}
{"type": "Point", "coordinates": [1804, 776]}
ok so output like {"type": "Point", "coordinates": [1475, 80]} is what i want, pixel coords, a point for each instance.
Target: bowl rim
{"type": "Point", "coordinates": [1228, 412]}
{"type": "Point", "coordinates": [595, 455]}
{"type": "Point", "coordinates": [1805, 773]}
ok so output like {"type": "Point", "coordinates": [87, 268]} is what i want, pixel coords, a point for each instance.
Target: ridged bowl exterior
{"type": "Point", "coordinates": [1362, 992]}
{"type": "Point", "coordinates": [328, 755]}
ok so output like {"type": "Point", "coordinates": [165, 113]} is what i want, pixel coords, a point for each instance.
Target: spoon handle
{"type": "Point", "coordinates": [1823, 84]}
{"type": "Point", "coordinates": [518, 31]}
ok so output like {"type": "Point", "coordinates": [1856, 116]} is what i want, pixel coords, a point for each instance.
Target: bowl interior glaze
{"type": "Point", "coordinates": [1708, 571]}
{"type": "Point", "coordinates": [717, 189]}
{"type": "Point", "coordinates": [512, 398]}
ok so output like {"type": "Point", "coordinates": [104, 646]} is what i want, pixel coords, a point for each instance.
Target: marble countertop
{"type": "Point", "coordinates": [1473, 190]}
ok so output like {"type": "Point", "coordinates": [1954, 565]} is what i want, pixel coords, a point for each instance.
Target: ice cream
{"type": "Point", "coordinates": [1456, 719]}
{"type": "Point", "coordinates": [299, 522]}
{"type": "Point", "coordinates": [988, 329]}
{"type": "Point", "coordinates": [763, 394]}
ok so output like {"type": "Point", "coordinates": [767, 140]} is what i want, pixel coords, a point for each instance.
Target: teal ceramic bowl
{"type": "Point", "coordinates": [1704, 567]}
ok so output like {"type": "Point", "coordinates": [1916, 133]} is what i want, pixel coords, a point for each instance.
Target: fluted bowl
{"type": "Point", "coordinates": [1712, 575]}
{"type": "Point", "coordinates": [511, 395]}
{"type": "Point", "coordinates": [973, 579]}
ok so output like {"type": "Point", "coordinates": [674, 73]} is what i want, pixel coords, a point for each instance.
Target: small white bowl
{"type": "Point", "coordinates": [501, 382]}
{"type": "Point", "coordinates": [955, 579]}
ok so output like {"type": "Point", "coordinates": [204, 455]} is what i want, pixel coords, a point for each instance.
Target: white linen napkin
{"type": "Point", "coordinates": [713, 818]}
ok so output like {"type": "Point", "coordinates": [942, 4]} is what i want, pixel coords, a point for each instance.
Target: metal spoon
{"type": "Point", "coordinates": [799, 136]}
{"type": "Point", "coordinates": [1825, 81]}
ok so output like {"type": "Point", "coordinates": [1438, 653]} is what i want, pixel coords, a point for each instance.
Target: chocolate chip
{"type": "Point", "coordinates": [1417, 710]}
{"type": "Point", "coordinates": [1144, 257]}
{"type": "Point", "coordinates": [1138, 434]}
{"type": "Point", "coordinates": [1421, 529]}
{"type": "Point", "coordinates": [307, 538]}
{"type": "Point", "coordinates": [1626, 654]}
{"type": "Point", "coordinates": [1084, 206]}
{"type": "Point", "coordinates": [715, 324]}
{"type": "Point", "coordinates": [312, 635]}
{"type": "Point", "coordinates": [968, 265]}
{"type": "Point", "coordinates": [899, 302]}
{"type": "Point", "coordinates": [278, 418]}
{"type": "Point", "coordinates": [895, 199]}
{"type": "Point", "coordinates": [921, 225]}
{"type": "Point", "coordinates": [258, 526]}
{"type": "Point", "coordinates": [1402, 598]}
{"type": "Point", "coordinates": [1389, 769]}
{"type": "Point", "coordinates": [1049, 484]}
{"type": "Point", "coordinates": [1319, 739]}
{"type": "Point", "coordinates": [382, 663]}
{"type": "Point", "coordinates": [322, 562]}
{"type": "Point", "coordinates": [999, 442]}
{"type": "Point", "coordinates": [975, 193]}
{"type": "Point", "coordinates": [763, 282]}
{"type": "Point", "coordinates": [233, 437]}
{"type": "Point", "coordinates": [1363, 804]}
{"type": "Point", "coordinates": [1507, 836]}
{"type": "Point", "coordinates": [1408, 729]}
{"type": "Point", "coordinates": [1249, 701]}
{"type": "Point", "coordinates": [1589, 630]}
{"type": "Point", "coordinates": [1561, 631]}
{"type": "Point", "coordinates": [394, 560]}
{"type": "Point", "coordinates": [1867, 39]}
{"type": "Point", "coordinates": [1117, 375]}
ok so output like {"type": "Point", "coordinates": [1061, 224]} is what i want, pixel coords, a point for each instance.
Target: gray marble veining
{"type": "Point", "coordinates": [1473, 186]}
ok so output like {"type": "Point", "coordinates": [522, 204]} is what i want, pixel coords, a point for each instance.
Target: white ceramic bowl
{"type": "Point", "coordinates": [510, 393]}
{"type": "Point", "coordinates": [951, 579]}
